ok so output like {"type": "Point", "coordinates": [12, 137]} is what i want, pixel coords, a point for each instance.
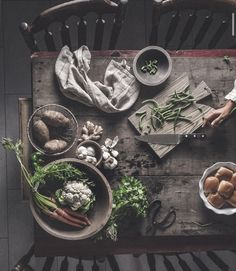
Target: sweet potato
{"type": "Point", "coordinates": [55, 145]}
{"type": "Point", "coordinates": [55, 119]}
{"type": "Point", "coordinates": [41, 132]}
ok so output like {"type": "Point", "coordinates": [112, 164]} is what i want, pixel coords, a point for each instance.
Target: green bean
{"type": "Point", "coordinates": [151, 101]}
{"type": "Point", "coordinates": [176, 118]}
{"type": "Point", "coordinates": [161, 122]}
{"type": "Point", "coordinates": [140, 113]}
{"type": "Point", "coordinates": [140, 122]}
{"type": "Point", "coordinates": [153, 123]}
{"type": "Point", "coordinates": [171, 111]}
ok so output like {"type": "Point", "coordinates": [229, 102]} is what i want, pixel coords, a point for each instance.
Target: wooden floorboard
{"type": "Point", "coordinates": [12, 131]}
{"type": "Point", "coordinates": [4, 254]}
{"type": "Point", "coordinates": [17, 58]}
{"type": "Point", "coordinates": [21, 231]}
{"type": "Point", "coordinates": [3, 184]}
{"type": "Point", "coordinates": [1, 25]}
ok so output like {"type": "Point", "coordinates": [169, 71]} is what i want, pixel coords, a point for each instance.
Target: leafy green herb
{"type": "Point", "coordinates": [59, 172]}
{"type": "Point", "coordinates": [37, 160]}
{"type": "Point", "coordinates": [226, 59]}
{"type": "Point", "coordinates": [129, 199]}
{"type": "Point", "coordinates": [150, 67]}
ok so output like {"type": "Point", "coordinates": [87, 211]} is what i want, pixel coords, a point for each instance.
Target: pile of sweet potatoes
{"type": "Point", "coordinates": [44, 131]}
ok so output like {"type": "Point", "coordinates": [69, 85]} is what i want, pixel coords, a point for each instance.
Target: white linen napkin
{"type": "Point", "coordinates": [119, 91]}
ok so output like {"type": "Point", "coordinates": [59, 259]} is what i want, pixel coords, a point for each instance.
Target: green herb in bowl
{"type": "Point", "coordinates": [150, 66]}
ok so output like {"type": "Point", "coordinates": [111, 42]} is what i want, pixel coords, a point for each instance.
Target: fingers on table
{"type": "Point", "coordinates": [212, 119]}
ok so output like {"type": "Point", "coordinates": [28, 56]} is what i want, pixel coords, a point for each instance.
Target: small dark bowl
{"type": "Point", "coordinates": [164, 65]}
{"type": "Point", "coordinates": [97, 148]}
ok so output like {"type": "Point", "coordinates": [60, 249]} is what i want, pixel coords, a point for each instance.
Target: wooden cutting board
{"type": "Point", "coordinates": [193, 113]}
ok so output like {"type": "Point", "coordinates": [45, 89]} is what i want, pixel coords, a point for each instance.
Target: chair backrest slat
{"type": "Point", "coordinates": [218, 261]}
{"type": "Point", "coordinates": [80, 8]}
{"type": "Point", "coordinates": [99, 31]}
{"type": "Point", "coordinates": [48, 264]}
{"type": "Point", "coordinates": [207, 22]}
{"type": "Point", "coordinates": [168, 264]}
{"type": "Point", "coordinates": [192, 17]}
{"type": "Point", "coordinates": [64, 264]}
{"type": "Point", "coordinates": [82, 32]}
{"type": "Point", "coordinates": [49, 41]}
{"type": "Point", "coordinates": [163, 8]}
{"type": "Point", "coordinates": [117, 23]}
{"type": "Point", "coordinates": [65, 34]}
{"type": "Point", "coordinates": [201, 265]}
{"type": "Point", "coordinates": [154, 30]}
{"type": "Point", "coordinates": [218, 34]}
{"type": "Point", "coordinates": [183, 263]}
{"type": "Point", "coordinates": [174, 22]}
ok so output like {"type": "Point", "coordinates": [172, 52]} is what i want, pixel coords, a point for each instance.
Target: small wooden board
{"type": "Point", "coordinates": [194, 113]}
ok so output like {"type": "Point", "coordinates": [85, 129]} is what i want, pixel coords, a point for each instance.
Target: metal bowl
{"type": "Point", "coordinates": [164, 65]}
{"type": "Point", "coordinates": [70, 132]}
{"type": "Point", "coordinates": [210, 172]}
{"type": "Point", "coordinates": [98, 215]}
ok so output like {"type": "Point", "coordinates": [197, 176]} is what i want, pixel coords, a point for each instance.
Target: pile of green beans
{"type": "Point", "coordinates": [172, 111]}
{"type": "Point", "coordinates": [150, 67]}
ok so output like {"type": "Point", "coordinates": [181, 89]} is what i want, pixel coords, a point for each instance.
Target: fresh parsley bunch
{"type": "Point", "coordinates": [129, 199]}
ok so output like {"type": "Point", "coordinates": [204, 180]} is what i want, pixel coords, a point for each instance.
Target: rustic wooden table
{"type": "Point", "coordinates": [173, 179]}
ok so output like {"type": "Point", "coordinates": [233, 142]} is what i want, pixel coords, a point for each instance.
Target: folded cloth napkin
{"type": "Point", "coordinates": [118, 93]}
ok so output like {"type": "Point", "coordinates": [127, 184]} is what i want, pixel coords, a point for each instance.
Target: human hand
{"type": "Point", "coordinates": [215, 117]}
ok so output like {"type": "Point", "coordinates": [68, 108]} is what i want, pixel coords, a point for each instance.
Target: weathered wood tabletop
{"type": "Point", "coordinates": [173, 179]}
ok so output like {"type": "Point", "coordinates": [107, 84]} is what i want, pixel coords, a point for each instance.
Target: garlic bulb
{"type": "Point", "coordinates": [109, 154]}
{"type": "Point", "coordinates": [110, 163]}
{"type": "Point", "coordinates": [87, 154]}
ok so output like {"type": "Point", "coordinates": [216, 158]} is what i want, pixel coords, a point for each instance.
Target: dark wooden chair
{"type": "Point", "coordinates": [218, 15]}
{"type": "Point", "coordinates": [23, 263]}
{"type": "Point", "coordinates": [79, 9]}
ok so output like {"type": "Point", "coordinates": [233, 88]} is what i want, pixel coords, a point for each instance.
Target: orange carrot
{"type": "Point", "coordinates": [57, 217]}
{"type": "Point", "coordinates": [76, 214]}
{"type": "Point", "coordinates": [67, 216]}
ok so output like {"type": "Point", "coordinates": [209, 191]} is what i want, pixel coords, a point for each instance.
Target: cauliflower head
{"type": "Point", "coordinates": [77, 195]}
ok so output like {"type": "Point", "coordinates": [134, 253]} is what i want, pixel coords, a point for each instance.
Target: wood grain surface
{"type": "Point", "coordinates": [194, 113]}
{"type": "Point", "coordinates": [173, 179]}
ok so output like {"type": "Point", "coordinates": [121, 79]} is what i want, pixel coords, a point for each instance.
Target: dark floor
{"type": "Point", "coordinates": [16, 223]}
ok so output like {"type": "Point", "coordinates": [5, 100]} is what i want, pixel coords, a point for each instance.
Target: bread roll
{"type": "Point", "coordinates": [233, 180]}
{"type": "Point", "coordinates": [232, 199]}
{"type": "Point", "coordinates": [225, 189]}
{"type": "Point", "coordinates": [224, 173]}
{"type": "Point", "coordinates": [211, 184]}
{"type": "Point", "coordinates": [216, 200]}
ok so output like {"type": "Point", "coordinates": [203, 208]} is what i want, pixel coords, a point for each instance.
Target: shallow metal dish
{"type": "Point", "coordinates": [98, 215]}
{"type": "Point", "coordinates": [209, 172]}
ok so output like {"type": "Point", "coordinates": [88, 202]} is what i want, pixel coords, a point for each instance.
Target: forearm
{"type": "Point", "coordinates": [231, 96]}
{"type": "Point", "coordinates": [230, 105]}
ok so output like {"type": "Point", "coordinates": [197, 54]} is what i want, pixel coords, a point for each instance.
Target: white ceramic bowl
{"type": "Point", "coordinates": [209, 172]}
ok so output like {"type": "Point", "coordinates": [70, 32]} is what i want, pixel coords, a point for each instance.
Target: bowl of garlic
{"type": "Point", "coordinates": [89, 151]}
